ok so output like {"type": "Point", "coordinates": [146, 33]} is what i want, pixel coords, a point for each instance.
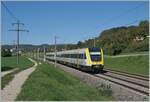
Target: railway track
{"type": "Point", "coordinates": [132, 82]}
{"type": "Point", "coordinates": [137, 76]}
{"type": "Point", "coordinates": [128, 79]}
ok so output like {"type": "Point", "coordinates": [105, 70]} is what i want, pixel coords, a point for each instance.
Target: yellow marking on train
{"type": "Point", "coordinates": [102, 56]}
{"type": "Point", "coordinates": [88, 56]}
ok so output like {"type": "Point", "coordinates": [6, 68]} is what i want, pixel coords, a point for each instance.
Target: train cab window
{"type": "Point", "coordinates": [95, 57]}
{"type": "Point", "coordinates": [95, 54]}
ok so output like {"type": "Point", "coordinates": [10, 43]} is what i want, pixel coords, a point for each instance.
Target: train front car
{"type": "Point", "coordinates": [95, 59]}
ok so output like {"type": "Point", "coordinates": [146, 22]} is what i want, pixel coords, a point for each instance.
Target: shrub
{"type": "Point", "coordinates": [6, 53]}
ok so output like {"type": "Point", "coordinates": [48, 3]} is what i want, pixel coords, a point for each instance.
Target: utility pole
{"type": "Point", "coordinates": [44, 54]}
{"type": "Point", "coordinates": [94, 42]}
{"type": "Point", "coordinates": [14, 44]}
{"type": "Point", "coordinates": [18, 30]}
{"type": "Point", "coordinates": [14, 47]}
{"type": "Point", "coordinates": [38, 53]}
{"type": "Point", "coordinates": [55, 51]}
{"type": "Point", "coordinates": [65, 46]}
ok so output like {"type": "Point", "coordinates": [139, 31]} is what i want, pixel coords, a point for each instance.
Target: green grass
{"type": "Point", "coordinates": [145, 52]}
{"type": "Point", "coordinates": [52, 84]}
{"type": "Point", "coordinates": [132, 64]}
{"type": "Point", "coordinates": [8, 63]}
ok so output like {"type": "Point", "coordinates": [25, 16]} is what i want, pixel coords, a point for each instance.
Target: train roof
{"type": "Point", "coordinates": [74, 51]}
{"type": "Point", "coordinates": [70, 51]}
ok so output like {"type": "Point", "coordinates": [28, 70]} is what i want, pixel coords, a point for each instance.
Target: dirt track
{"type": "Point", "coordinates": [10, 92]}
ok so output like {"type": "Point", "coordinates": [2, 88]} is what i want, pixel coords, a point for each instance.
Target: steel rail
{"type": "Point", "coordinates": [126, 86]}
{"type": "Point", "coordinates": [141, 77]}
{"type": "Point", "coordinates": [133, 82]}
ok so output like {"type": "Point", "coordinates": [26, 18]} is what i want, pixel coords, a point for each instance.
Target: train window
{"type": "Point", "coordinates": [67, 55]}
{"type": "Point", "coordinates": [50, 55]}
{"type": "Point", "coordinates": [84, 56]}
{"type": "Point", "coordinates": [58, 55]}
{"type": "Point", "coordinates": [62, 55]}
{"type": "Point", "coordinates": [80, 56]}
{"type": "Point", "coordinates": [74, 56]}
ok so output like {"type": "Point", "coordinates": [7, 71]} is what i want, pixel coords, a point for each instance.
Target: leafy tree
{"type": "Point", "coordinates": [6, 53]}
{"type": "Point", "coordinates": [121, 39]}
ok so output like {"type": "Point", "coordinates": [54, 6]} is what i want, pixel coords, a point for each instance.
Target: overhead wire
{"type": "Point", "coordinates": [120, 15]}
{"type": "Point", "coordinates": [10, 13]}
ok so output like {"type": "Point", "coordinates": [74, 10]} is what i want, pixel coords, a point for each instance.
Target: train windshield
{"type": "Point", "coordinates": [95, 54]}
{"type": "Point", "coordinates": [95, 57]}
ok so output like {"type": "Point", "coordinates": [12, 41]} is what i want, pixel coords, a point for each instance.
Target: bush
{"type": "Point", "coordinates": [6, 53]}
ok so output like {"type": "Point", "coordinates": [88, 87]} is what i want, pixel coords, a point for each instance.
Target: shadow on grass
{"type": "Point", "coordinates": [5, 68]}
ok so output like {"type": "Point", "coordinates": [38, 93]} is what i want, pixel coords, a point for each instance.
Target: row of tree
{"type": "Point", "coordinates": [122, 39]}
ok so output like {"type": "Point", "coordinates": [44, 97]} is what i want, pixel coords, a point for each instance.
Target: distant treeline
{"type": "Point", "coordinates": [113, 41]}
{"type": "Point", "coordinates": [122, 39]}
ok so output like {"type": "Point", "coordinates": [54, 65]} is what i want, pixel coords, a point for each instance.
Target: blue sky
{"type": "Point", "coordinates": [69, 21]}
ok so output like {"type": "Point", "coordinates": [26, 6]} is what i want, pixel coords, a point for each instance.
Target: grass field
{"type": "Point", "coordinates": [8, 63]}
{"type": "Point", "coordinates": [132, 64]}
{"type": "Point", "coordinates": [146, 52]}
{"type": "Point", "coordinates": [52, 84]}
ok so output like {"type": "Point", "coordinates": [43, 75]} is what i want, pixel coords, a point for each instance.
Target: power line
{"type": "Point", "coordinates": [11, 14]}
{"type": "Point", "coordinates": [55, 49]}
{"type": "Point", "coordinates": [132, 22]}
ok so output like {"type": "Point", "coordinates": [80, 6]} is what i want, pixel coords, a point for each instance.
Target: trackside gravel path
{"type": "Point", "coordinates": [10, 92]}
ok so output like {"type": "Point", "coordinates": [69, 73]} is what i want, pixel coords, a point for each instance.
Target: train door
{"type": "Point", "coordinates": [77, 59]}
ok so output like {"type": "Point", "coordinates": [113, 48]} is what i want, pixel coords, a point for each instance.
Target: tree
{"type": "Point", "coordinates": [122, 39]}
{"type": "Point", "coordinates": [6, 53]}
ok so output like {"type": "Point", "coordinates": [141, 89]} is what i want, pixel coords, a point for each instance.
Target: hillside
{"type": "Point", "coordinates": [122, 39]}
